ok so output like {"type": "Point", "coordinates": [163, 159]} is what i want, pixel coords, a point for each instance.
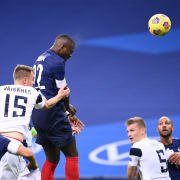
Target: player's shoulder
{"type": "Point", "coordinates": [154, 142]}
{"type": "Point", "coordinates": [147, 142]}
{"type": "Point", "coordinates": [176, 141]}
{"type": "Point", "coordinates": [142, 142]}
{"type": "Point", "coordinates": [11, 88]}
{"type": "Point", "coordinates": [33, 90]}
{"type": "Point", "coordinates": [4, 87]}
{"type": "Point", "coordinates": [27, 89]}
{"type": "Point", "coordinates": [136, 149]}
{"type": "Point", "coordinates": [50, 57]}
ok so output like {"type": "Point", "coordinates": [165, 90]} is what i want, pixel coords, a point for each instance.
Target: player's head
{"type": "Point", "coordinates": [23, 75]}
{"type": "Point", "coordinates": [136, 129]}
{"type": "Point", "coordinates": [165, 127]}
{"type": "Point", "coordinates": [64, 46]}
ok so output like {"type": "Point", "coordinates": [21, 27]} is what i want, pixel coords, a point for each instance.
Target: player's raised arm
{"type": "Point", "coordinates": [62, 93]}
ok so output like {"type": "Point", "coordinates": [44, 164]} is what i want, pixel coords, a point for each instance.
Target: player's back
{"type": "Point", "coordinates": [16, 102]}
{"type": "Point", "coordinates": [49, 68]}
{"type": "Point", "coordinates": [152, 160]}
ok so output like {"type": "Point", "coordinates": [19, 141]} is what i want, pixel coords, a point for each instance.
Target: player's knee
{"type": "Point", "coordinates": [54, 159]}
{"type": "Point", "coordinates": [72, 153]}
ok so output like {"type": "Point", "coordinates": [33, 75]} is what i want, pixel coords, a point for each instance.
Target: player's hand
{"type": "Point", "coordinates": [71, 110]}
{"type": "Point", "coordinates": [174, 158]}
{"type": "Point", "coordinates": [32, 166]}
{"type": "Point", "coordinates": [76, 122]}
{"type": "Point", "coordinates": [76, 130]}
{"type": "Point", "coordinates": [64, 92]}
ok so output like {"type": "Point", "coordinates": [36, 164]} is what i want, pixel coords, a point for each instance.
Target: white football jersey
{"type": "Point", "coordinates": [27, 139]}
{"type": "Point", "coordinates": [17, 103]}
{"type": "Point", "coordinates": [151, 159]}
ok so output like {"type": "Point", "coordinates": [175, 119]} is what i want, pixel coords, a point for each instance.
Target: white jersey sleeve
{"type": "Point", "coordinates": [39, 102]}
{"type": "Point", "coordinates": [134, 155]}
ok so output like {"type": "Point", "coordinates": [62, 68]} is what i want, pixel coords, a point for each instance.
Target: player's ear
{"type": "Point", "coordinates": [143, 131]}
{"type": "Point", "coordinates": [24, 80]}
{"type": "Point", "coordinates": [172, 128]}
{"type": "Point", "coordinates": [62, 46]}
{"type": "Point", "coordinates": [157, 130]}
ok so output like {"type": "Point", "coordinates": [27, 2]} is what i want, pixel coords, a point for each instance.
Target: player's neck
{"type": "Point", "coordinates": [19, 83]}
{"type": "Point", "coordinates": [54, 49]}
{"type": "Point", "coordinates": [166, 140]}
{"type": "Point", "coordinates": [144, 136]}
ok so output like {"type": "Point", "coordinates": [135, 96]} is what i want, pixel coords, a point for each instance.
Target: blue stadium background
{"type": "Point", "coordinates": [118, 70]}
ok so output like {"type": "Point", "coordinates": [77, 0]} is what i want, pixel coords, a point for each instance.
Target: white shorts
{"type": "Point", "coordinates": [25, 174]}
{"type": "Point", "coordinates": [36, 175]}
{"type": "Point", "coordinates": [10, 165]}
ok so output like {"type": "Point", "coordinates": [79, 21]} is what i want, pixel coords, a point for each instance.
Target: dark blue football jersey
{"type": "Point", "coordinates": [174, 170]}
{"type": "Point", "coordinates": [49, 71]}
{"type": "Point", "coordinates": [3, 145]}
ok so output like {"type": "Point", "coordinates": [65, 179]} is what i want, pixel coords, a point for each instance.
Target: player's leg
{"type": "Point", "coordinates": [51, 162]}
{"type": "Point", "coordinates": [43, 122]}
{"type": "Point", "coordinates": [72, 160]}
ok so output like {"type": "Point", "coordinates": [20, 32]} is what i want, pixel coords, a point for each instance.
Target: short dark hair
{"type": "Point", "coordinates": [140, 122]}
{"type": "Point", "coordinates": [65, 36]}
{"type": "Point", "coordinates": [22, 71]}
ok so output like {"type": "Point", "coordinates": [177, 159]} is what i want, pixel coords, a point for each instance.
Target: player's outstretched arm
{"type": "Point", "coordinates": [131, 171]}
{"type": "Point", "coordinates": [62, 93]}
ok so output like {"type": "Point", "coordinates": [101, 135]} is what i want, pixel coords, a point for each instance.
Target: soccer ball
{"type": "Point", "coordinates": [159, 25]}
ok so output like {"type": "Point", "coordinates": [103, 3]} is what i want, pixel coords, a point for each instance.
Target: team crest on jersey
{"type": "Point", "coordinates": [166, 25]}
{"type": "Point", "coordinates": [155, 20]}
{"type": "Point", "coordinates": [158, 31]}
{"type": "Point", "coordinates": [130, 159]}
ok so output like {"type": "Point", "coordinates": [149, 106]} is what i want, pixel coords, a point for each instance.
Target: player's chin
{"type": "Point", "coordinates": [165, 134]}
{"type": "Point", "coordinates": [132, 142]}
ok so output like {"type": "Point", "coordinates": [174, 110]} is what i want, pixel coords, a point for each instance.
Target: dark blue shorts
{"type": "Point", "coordinates": [53, 127]}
